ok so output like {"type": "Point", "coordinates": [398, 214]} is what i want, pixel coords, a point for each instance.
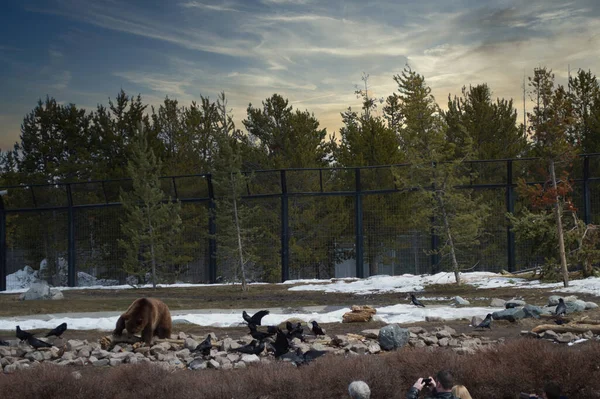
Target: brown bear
{"type": "Point", "coordinates": [151, 316]}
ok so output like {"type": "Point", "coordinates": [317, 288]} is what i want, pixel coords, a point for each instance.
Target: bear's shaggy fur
{"type": "Point", "coordinates": [151, 316]}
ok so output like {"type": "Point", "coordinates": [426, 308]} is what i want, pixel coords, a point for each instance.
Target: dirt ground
{"type": "Point", "coordinates": [271, 295]}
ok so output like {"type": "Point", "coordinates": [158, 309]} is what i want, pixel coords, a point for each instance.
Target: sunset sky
{"type": "Point", "coordinates": [312, 52]}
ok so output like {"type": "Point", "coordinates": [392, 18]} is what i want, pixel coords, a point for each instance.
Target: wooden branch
{"type": "Point", "coordinates": [579, 328]}
{"type": "Point", "coordinates": [109, 341]}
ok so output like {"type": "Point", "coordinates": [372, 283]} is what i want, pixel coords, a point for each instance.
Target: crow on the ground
{"type": "Point", "coordinates": [38, 343]}
{"type": "Point", "coordinates": [272, 329]}
{"type": "Point", "coordinates": [316, 329]}
{"type": "Point", "coordinates": [312, 354]}
{"type": "Point", "coordinates": [23, 335]}
{"type": "Point", "coordinates": [486, 323]}
{"type": "Point", "coordinates": [281, 344]}
{"type": "Point", "coordinates": [252, 348]}
{"type": "Point", "coordinates": [58, 331]}
{"type": "Point", "coordinates": [204, 346]}
{"type": "Point", "coordinates": [415, 301]}
{"type": "Point", "coordinates": [256, 317]}
{"type": "Point", "coordinates": [561, 308]}
{"type": "Point", "coordinates": [3, 343]}
{"type": "Point", "coordinates": [299, 358]}
{"type": "Point", "coordinates": [259, 335]}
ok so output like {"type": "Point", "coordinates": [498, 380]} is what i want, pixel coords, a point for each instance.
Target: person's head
{"type": "Point", "coordinates": [461, 392]}
{"type": "Point", "coordinates": [444, 381]}
{"type": "Point", "coordinates": [552, 390]}
{"type": "Point", "coordinates": [359, 390]}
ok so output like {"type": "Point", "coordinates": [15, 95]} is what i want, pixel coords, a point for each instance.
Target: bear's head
{"type": "Point", "coordinates": [133, 324]}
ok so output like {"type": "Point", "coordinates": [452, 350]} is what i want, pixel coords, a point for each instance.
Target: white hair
{"type": "Point", "coordinates": [359, 390]}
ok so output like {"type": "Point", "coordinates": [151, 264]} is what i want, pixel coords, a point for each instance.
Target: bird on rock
{"type": "Point", "coordinates": [253, 348]}
{"type": "Point", "coordinates": [38, 343]}
{"type": "Point", "coordinates": [561, 308]}
{"type": "Point", "coordinates": [58, 331]}
{"type": "Point", "coordinates": [316, 329]}
{"type": "Point", "coordinates": [23, 335]}
{"type": "Point", "coordinates": [486, 323]}
{"type": "Point", "coordinates": [204, 346]}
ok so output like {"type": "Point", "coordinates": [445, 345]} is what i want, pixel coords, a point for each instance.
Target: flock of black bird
{"type": "Point", "coordinates": [35, 342]}
{"type": "Point", "coordinates": [279, 345]}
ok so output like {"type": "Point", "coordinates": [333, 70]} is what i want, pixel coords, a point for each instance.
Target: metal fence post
{"type": "Point", "coordinates": [358, 222]}
{"type": "Point", "coordinates": [510, 208]}
{"type": "Point", "coordinates": [71, 251]}
{"type": "Point", "coordinates": [285, 233]}
{"type": "Point", "coordinates": [3, 271]}
{"type": "Point", "coordinates": [212, 231]}
{"type": "Point", "coordinates": [587, 206]}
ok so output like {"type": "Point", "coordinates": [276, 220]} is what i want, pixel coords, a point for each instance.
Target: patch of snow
{"type": "Point", "coordinates": [577, 341]}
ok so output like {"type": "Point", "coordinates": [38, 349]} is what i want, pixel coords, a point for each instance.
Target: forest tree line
{"type": "Point", "coordinates": [64, 143]}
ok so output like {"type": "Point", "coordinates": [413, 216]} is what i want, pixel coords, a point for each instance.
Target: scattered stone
{"type": "Point", "coordinates": [575, 306]}
{"type": "Point", "coordinates": [198, 364]}
{"type": "Point", "coordinates": [393, 337]}
{"type": "Point", "coordinates": [459, 301]}
{"type": "Point", "coordinates": [590, 305]}
{"type": "Point", "coordinates": [213, 364]}
{"type": "Point", "coordinates": [511, 315]}
{"type": "Point", "coordinates": [514, 303]}
{"type": "Point", "coordinates": [497, 303]}
{"type": "Point", "coordinates": [250, 358]}
{"type": "Point", "coordinates": [433, 319]}
{"type": "Point", "coordinates": [476, 320]}
{"type": "Point", "coordinates": [101, 363]}
{"type": "Point", "coordinates": [566, 338]}
{"type": "Point", "coordinates": [549, 334]}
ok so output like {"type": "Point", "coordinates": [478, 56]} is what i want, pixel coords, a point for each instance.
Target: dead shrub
{"type": "Point", "coordinates": [523, 365]}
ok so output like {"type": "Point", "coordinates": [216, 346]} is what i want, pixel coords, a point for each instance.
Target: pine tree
{"type": "Point", "coordinates": [151, 223]}
{"type": "Point", "coordinates": [435, 171]}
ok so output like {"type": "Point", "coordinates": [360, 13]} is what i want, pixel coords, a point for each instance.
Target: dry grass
{"type": "Point", "coordinates": [522, 365]}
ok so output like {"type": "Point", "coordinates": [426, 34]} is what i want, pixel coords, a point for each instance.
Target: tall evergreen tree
{"type": "Point", "coordinates": [435, 170]}
{"type": "Point", "coordinates": [151, 224]}
{"type": "Point", "coordinates": [584, 92]}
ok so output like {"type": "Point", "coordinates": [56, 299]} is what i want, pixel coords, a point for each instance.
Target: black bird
{"type": "Point", "coordinates": [204, 346]}
{"type": "Point", "coordinates": [312, 355]}
{"type": "Point", "coordinates": [38, 343]}
{"type": "Point", "coordinates": [487, 322]}
{"type": "Point", "coordinates": [23, 335]}
{"type": "Point", "coordinates": [3, 343]}
{"type": "Point", "coordinates": [281, 344]}
{"type": "Point", "coordinates": [316, 329]}
{"type": "Point", "coordinates": [256, 317]}
{"type": "Point", "coordinates": [561, 308]}
{"type": "Point", "coordinates": [272, 329]}
{"type": "Point", "coordinates": [259, 335]}
{"type": "Point", "coordinates": [252, 348]}
{"type": "Point", "coordinates": [560, 321]}
{"type": "Point", "coordinates": [58, 331]}
{"type": "Point", "coordinates": [415, 301]}
{"type": "Point", "coordinates": [296, 331]}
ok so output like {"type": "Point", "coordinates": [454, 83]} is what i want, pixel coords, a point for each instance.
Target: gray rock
{"type": "Point", "coordinates": [575, 306]}
{"type": "Point", "coordinates": [37, 356]}
{"type": "Point", "coordinates": [588, 335]}
{"type": "Point", "coordinates": [213, 364]}
{"type": "Point", "coordinates": [56, 294]}
{"type": "Point", "coordinates": [198, 364]}
{"type": "Point", "coordinates": [249, 358]}
{"type": "Point", "coordinates": [553, 299]}
{"type": "Point", "coordinates": [430, 340]}
{"type": "Point", "coordinates": [101, 353]}
{"type": "Point", "coordinates": [229, 344]}
{"type": "Point", "coordinates": [549, 334]}
{"type": "Point", "coordinates": [433, 319]}
{"type": "Point", "coordinates": [532, 311]}
{"type": "Point", "coordinates": [11, 368]}
{"type": "Point", "coordinates": [459, 301]}
{"type": "Point", "coordinates": [38, 290]}
{"type": "Point", "coordinates": [372, 334]}
{"type": "Point", "coordinates": [74, 344]}
{"type": "Point", "coordinates": [511, 315]}
{"type": "Point", "coordinates": [233, 357]}
{"type": "Point", "coordinates": [590, 305]}
{"type": "Point", "coordinates": [373, 347]}
{"type": "Point", "coordinates": [340, 340]}
{"type": "Point", "coordinates": [183, 353]}
{"type": "Point", "coordinates": [393, 337]}
{"type": "Point", "coordinates": [4, 351]}
{"type": "Point", "coordinates": [100, 363]}
{"type": "Point", "coordinates": [566, 338]}
{"type": "Point", "coordinates": [417, 330]}
{"type": "Point", "coordinates": [239, 365]}
{"type": "Point", "coordinates": [497, 303]}
{"type": "Point", "coordinates": [514, 303]}
{"type": "Point", "coordinates": [115, 362]}
{"type": "Point", "coordinates": [475, 321]}
{"type": "Point", "coordinates": [443, 341]}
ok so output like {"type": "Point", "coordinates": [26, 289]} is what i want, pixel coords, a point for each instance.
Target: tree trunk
{"type": "Point", "coordinates": [559, 229]}
{"type": "Point", "coordinates": [152, 255]}
{"type": "Point", "coordinates": [455, 267]}
{"type": "Point", "coordinates": [239, 235]}
{"type": "Point", "coordinates": [578, 328]}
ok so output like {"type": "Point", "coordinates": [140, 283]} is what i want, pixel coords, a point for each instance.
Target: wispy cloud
{"type": "Point", "coordinates": [61, 80]}
{"type": "Point", "coordinates": [211, 7]}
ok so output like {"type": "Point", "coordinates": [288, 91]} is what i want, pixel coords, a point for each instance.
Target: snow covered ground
{"type": "Point", "coordinates": [400, 313]}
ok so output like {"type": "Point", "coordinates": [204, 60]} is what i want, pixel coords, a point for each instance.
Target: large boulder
{"type": "Point", "coordinates": [459, 301]}
{"type": "Point", "coordinates": [511, 315]}
{"type": "Point", "coordinates": [533, 311]}
{"type": "Point", "coordinates": [575, 306]}
{"type": "Point", "coordinates": [393, 337]}
{"type": "Point", "coordinates": [38, 290]}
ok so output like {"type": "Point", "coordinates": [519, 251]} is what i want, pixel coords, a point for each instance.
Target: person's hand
{"type": "Point", "coordinates": [419, 384]}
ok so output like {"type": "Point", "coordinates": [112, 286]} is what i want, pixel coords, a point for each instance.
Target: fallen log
{"type": "Point", "coordinates": [359, 314]}
{"type": "Point", "coordinates": [574, 328]}
{"type": "Point", "coordinates": [109, 341]}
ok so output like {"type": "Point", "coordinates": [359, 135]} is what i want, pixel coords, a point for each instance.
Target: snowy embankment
{"type": "Point", "coordinates": [400, 313]}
